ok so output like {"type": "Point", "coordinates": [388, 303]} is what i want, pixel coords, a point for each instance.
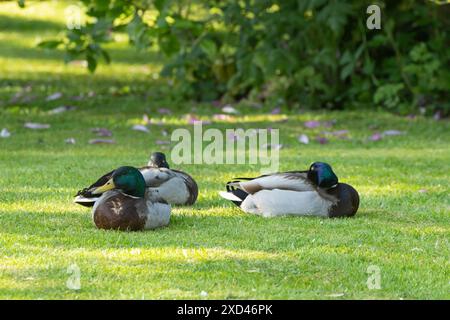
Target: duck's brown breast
{"type": "Point", "coordinates": [119, 213]}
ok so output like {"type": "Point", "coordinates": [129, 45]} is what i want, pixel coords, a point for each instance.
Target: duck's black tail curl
{"type": "Point", "coordinates": [85, 197]}
{"type": "Point", "coordinates": [241, 194]}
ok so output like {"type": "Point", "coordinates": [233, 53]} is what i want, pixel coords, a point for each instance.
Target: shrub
{"type": "Point", "coordinates": [312, 53]}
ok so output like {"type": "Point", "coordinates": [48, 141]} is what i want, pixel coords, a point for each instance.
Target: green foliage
{"type": "Point", "coordinates": [311, 53]}
{"type": "Point", "coordinates": [389, 95]}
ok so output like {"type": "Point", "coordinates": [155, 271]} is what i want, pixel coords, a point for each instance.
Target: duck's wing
{"type": "Point", "coordinates": [85, 197]}
{"type": "Point", "coordinates": [290, 180]}
{"type": "Point", "coordinates": [174, 186]}
{"type": "Point", "coordinates": [191, 186]}
{"type": "Point", "coordinates": [154, 177]}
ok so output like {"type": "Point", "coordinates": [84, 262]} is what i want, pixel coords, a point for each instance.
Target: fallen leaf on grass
{"type": "Point", "coordinates": [276, 110]}
{"type": "Point", "coordinates": [164, 111]}
{"type": "Point", "coordinates": [423, 191]}
{"type": "Point", "coordinates": [192, 119]}
{"type": "Point", "coordinates": [36, 126]}
{"type": "Point", "coordinates": [273, 146]}
{"type": "Point", "coordinates": [102, 132]}
{"type": "Point", "coordinates": [321, 140]}
{"type": "Point", "coordinates": [253, 270]}
{"type": "Point", "coordinates": [392, 133]}
{"type": "Point", "coordinates": [329, 123]}
{"type": "Point", "coordinates": [303, 138]}
{"type": "Point", "coordinates": [61, 109]}
{"type": "Point", "coordinates": [335, 295]}
{"type": "Point", "coordinates": [79, 63]}
{"type": "Point", "coordinates": [311, 124]}
{"type": "Point", "coordinates": [339, 133]}
{"type": "Point", "coordinates": [140, 127]}
{"type": "Point", "coordinates": [437, 116]}
{"type": "Point", "coordinates": [102, 141]}
{"type": "Point", "coordinates": [23, 96]}
{"type": "Point", "coordinates": [222, 117]}
{"type": "Point", "coordinates": [70, 141]}
{"type": "Point", "coordinates": [315, 124]}
{"type": "Point", "coordinates": [55, 96]}
{"type": "Point", "coordinates": [5, 133]}
{"type": "Point", "coordinates": [229, 109]}
{"type": "Point", "coordinates": [162, 142]}
{"type": "Point", "coordinates": [376, 137]}
{"type": "Point", "coordinates": [146, 119]}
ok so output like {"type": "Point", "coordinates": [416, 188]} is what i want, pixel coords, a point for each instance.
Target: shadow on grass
{"type": "Point", "coordinates": [20, 24]}
{"type": "Point", "coordinates": [129, 56]}
{"type": "Point", "coordinates": [232, 231]}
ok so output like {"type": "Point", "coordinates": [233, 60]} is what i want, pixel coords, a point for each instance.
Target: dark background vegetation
{"type": "Point", "coordinates": [313, 54]}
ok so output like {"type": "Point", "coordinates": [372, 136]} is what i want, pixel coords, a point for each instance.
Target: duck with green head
{"type": "Point", "coordinates": [174, 186]}
{"type": "Point", "coordinates": [315, 191]}
{"type": "Point", "coordinates": [127, 204]}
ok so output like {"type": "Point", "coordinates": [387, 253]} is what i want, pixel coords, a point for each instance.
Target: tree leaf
{"type": "Point", "coordinates": [92, 63]}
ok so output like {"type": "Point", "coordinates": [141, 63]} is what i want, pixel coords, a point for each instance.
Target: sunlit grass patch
{"type": "Point", "coordinates": [402, 225]}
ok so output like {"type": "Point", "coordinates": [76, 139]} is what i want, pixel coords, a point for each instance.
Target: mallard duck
{"type": "Point", "coordinates": [315, 192]}
{"type": "Point", "coordinates": [126, 204]}
{"type": "Point", "coordinates": [174, 186]}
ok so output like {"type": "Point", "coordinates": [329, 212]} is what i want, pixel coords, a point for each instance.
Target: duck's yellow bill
{"type": "Point", "coordinates": [106, 187]}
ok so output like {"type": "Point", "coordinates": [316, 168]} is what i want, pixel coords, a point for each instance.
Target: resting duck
{"type": "Point", "coordinates": [126, 204]}
{"type": "Point", "coordinates": [174, 186]}
{"type": "Point", "coordinates": [315, 192]}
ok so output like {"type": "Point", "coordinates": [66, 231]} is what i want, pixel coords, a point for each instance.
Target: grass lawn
{"type": "Point", "coordinates": [402, 226]}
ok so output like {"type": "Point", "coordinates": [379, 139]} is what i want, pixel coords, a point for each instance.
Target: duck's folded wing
{"type": "Point", "coordinates": [180, 189]}
{"type": "Point", "coordinates": [154, 177]}
{"type": "Point", "coordinates": [292, 180]}
{"type": "Point", "coordinates": [191, 186]}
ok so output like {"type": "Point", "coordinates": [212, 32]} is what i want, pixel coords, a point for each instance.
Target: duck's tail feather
{"type": "Point", "coordinates": [85, 197]}
{"type": "Point", "coordinates": [86, 202]}
{"type": "Point", "coordinates": [233, 194]}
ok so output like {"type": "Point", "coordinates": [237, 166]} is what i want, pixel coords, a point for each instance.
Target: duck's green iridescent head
{"type": "Point", "coordinates": [322, 175]}
{"type": "Point", "coordinates": [127, 179]}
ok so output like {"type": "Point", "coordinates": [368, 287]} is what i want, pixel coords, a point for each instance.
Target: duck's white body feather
{"type": "Point", "coordinates": [276, 202]}
{"type": "Point", "coordinates": [157, 214]}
